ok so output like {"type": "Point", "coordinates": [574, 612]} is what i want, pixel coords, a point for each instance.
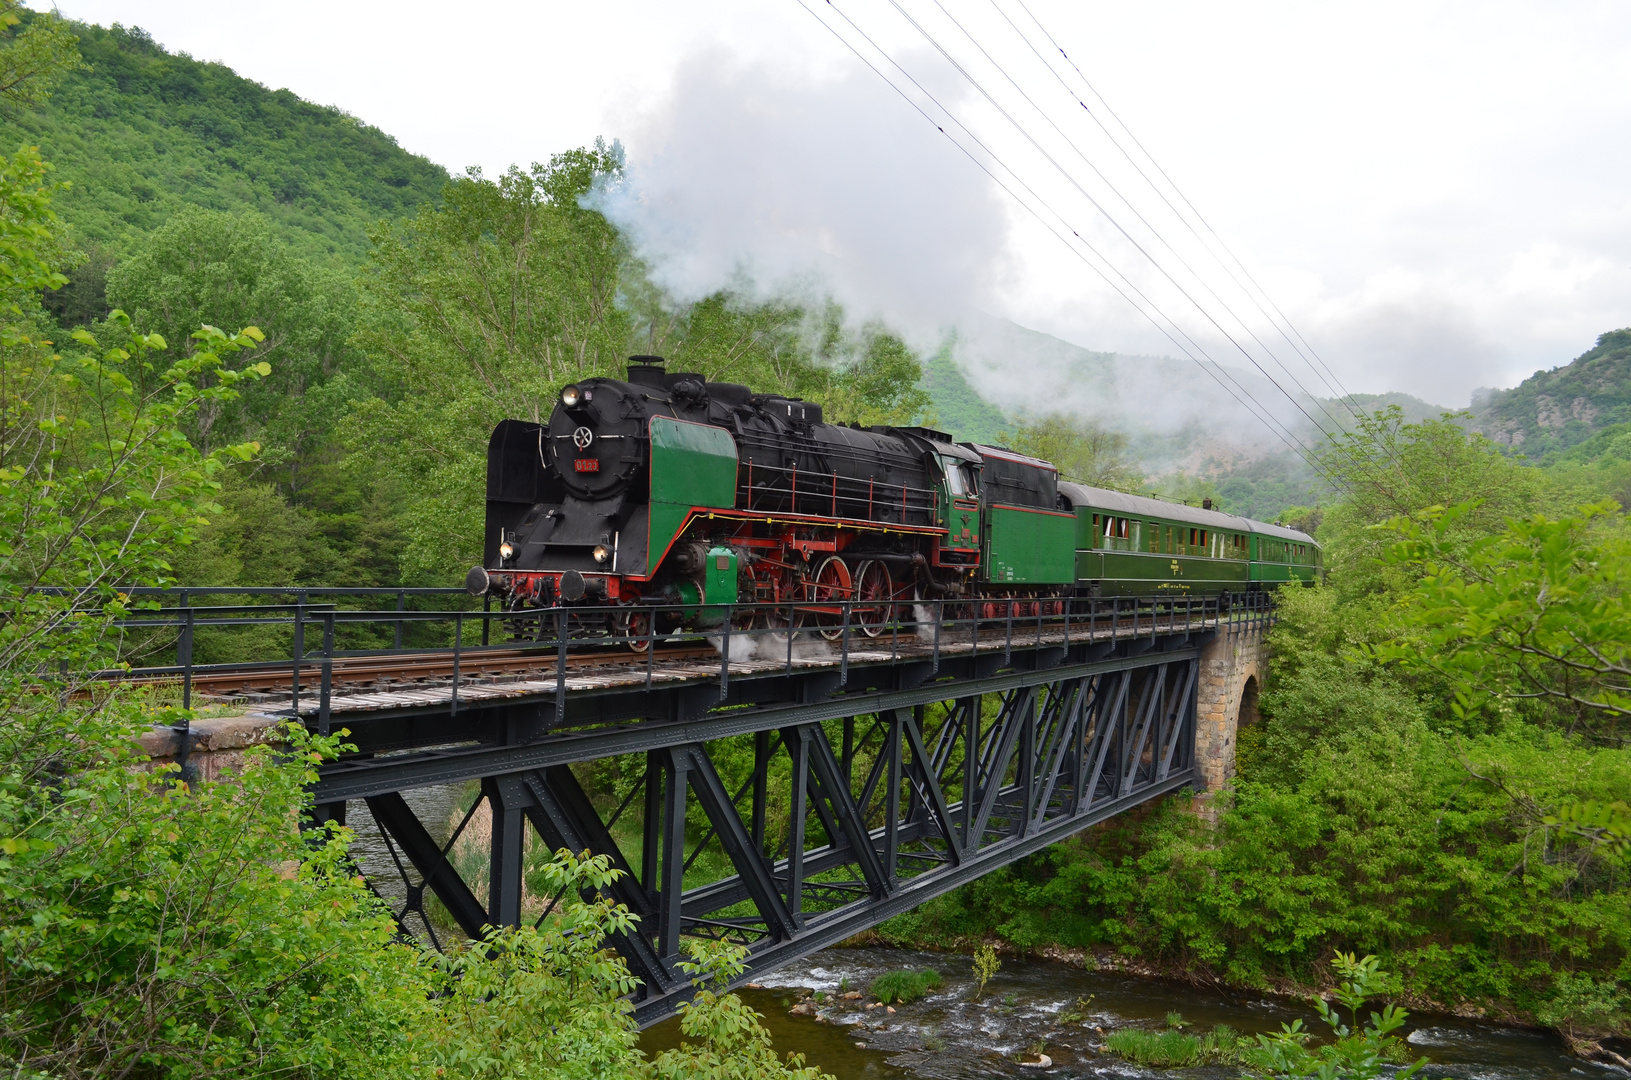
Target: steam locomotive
{"type": "Point", "coordinates": [665, 495]}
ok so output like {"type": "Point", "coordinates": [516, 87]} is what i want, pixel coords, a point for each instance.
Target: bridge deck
{"type": "Point", "coordinates": [808, 652]}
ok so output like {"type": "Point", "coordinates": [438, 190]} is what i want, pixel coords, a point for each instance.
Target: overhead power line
{"type": "Point", "coordinates": [1097, 205]}
{"type": "Point", "coordinates": [1108, 272]}
{"type": "Point", "coordinates": [1289, 329]}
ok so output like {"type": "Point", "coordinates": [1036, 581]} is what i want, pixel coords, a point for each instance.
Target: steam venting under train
{"type": "Point", "coordinates": [665, 496]}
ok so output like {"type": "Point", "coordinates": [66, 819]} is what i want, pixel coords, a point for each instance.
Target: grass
{"type": "Point", "coordinates": [1078, 1012]}
{"type": "Point", "coordinates": [903, 986]}
{"type": "Point", "coordinates": [1156, 1049]}
{"type": "Point", "coordinates": [1172, 1049]}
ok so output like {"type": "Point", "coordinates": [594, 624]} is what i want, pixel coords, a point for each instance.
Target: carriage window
{"type": "Point", "coordinates": [1155, 537]}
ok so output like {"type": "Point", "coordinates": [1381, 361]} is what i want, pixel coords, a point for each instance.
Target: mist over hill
{"type": "Point", "coordinates": [1196, 430]}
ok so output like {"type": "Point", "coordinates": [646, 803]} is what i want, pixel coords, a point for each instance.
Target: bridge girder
{"type": "Point", "coordinates": [894, 793]}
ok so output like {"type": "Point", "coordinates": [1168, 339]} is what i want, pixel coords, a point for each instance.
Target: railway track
{"type": "Point", "coordinates": [384, 671]}
{"type": "Point", "coordinates": [375, 671]}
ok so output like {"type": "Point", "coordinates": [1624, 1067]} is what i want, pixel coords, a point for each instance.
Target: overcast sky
{"type": "Point", "coordinates": [1435, 194]}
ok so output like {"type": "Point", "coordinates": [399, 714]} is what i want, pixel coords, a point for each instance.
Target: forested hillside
{"type": "Point", "coordinates": [1554, 410]}
{"type": "Point", "coordinates": [140, 133]}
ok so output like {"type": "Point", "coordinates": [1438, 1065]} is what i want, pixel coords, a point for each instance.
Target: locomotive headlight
{"type": "Point", "coordinates": [571, 395]}
{"type": "Point", "coordinates": [505, 550]}
{"type": "Point", "coordinates": [602, 553]}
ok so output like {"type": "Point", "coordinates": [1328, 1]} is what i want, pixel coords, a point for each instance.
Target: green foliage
{"type": "Point", "coordinates": [1084, 451]}
{"type": "Point", "coordinates": [986, 965]}
{"type": "Point", "coordinates": [542, 1003]}
{"type": "Point", "coordinates": [1259, 487]}
{"type": "Point", "coordinates": [1386, 467]}
{"type": "Point", "coordinates": [1355, 1053]}
{"type": "Point", "coordinates": [1535, 613]}
{"type": "Point", "coordinates": [1584, 1003]}
{"type": "Point", "coordinates": [209, 268]}
{"type": "Point", "coordinates": [734, 1044]}
{"type": "Point", "coordinates": [958, 407]}
{"type": "Point", "coordinates": [34, 60]}
{"type": "Point", "coordinates": [1604, 824]}
{"type": "Point", "coordinates": [481, 310]}
{"type": "Point", "coordinates": [904, 986]}
{"type": "Point", "coordinates": [142, 134]}
{"type": "Point", "coordinates": [1172, 1049]}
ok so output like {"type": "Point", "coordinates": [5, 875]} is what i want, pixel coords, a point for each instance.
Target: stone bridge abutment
{"type": "Point", "coordinates": [1232, 671]}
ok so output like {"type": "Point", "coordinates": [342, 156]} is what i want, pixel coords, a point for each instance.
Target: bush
{"type": "Point", "coordinates": [904, 986]}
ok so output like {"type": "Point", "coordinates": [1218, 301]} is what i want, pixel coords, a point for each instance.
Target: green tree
{"type": "Point", "coordinates": [477, 311]}
{"type": "Point", "coordinates": [1083, 450]}
{"type": "Point", "coordinates": [1385, 467]}
{"type": "Point", "coordinates": [1537, 612]}
{"type": "Point", "coordinates": [865, 375]}
{"type": "Point", "coordinates": [207, 268]}
{"type": "Point", "coordinates": [36, 59]}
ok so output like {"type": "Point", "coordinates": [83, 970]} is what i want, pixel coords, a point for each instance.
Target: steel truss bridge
{"type": "Point", "coordinates": [884, 770]}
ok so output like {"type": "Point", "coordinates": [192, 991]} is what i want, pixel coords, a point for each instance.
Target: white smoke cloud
{"type": "Point", "coordinates": [801, 181]}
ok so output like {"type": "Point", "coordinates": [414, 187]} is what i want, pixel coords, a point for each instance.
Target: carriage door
{"type": "Point", "coordinates": [960, 506]}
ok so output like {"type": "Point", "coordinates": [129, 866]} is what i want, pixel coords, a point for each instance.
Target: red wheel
{"type": "Point", "coordinates": [873, 592]}
{"type": "Point", "coordinates": [634, 628]}
{"type": "Point", "coordinates": [831, 584]}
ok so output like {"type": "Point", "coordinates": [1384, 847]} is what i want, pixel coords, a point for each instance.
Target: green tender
{"type": "Point", "coordinates": [1029, 547]}
{"type": "Point", "coordinates": [691, 465]}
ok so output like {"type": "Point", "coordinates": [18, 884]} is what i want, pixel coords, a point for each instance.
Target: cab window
{"type": "Point", "coordinates": [958, 480]}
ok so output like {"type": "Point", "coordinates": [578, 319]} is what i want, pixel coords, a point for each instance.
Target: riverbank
{"type": "Point", "coordinates": [1059, 1007]}
{"type": "Point", "coordinates": [1611, 1048]}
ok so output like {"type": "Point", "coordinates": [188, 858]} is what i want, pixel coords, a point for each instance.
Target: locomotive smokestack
{"type": "Point", "coordinates": [647, 371]}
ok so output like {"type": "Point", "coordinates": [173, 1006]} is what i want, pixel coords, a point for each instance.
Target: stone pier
{"type": "Point", "coordinates": [218, 743]}
{"type": "Point", "coordinates": [1231, 676]}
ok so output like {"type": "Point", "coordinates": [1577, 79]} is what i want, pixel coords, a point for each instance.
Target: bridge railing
{"type": "Point", "coordinates": [746, 636]}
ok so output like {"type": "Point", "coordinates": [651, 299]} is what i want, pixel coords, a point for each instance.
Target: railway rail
{"type": "Point", "coordinates": [314, 683]}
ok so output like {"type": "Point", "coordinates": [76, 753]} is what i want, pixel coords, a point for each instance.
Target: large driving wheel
{"type": "Point", "coordinates": [633, 628]}
{"type": "Point", "coordinates": [874, 592]}
{"type": "Point", "coordinates": [832, 585]}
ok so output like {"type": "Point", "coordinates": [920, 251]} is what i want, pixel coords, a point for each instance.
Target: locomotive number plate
{"type": "Point", "coordinates": [586, 465]}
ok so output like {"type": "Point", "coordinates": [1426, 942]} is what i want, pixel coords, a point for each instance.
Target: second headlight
{"type": "Point", "coordinates": [602, 553]}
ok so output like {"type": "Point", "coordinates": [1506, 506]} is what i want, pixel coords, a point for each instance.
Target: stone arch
{"type": "Point", "coordinates": [1248, 714]}
{"type": "Point", "coordinates": [1232, 671]}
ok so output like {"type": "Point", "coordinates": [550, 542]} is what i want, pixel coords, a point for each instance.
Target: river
{"type": "Point", "coordinates": [948, 1036]}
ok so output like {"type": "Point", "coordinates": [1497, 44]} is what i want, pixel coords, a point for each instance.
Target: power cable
{"type": "Point", "coordinates": [1212, 368]}
{"type": "Point", "coordinates": [1339, 391]}
{"type": "Point", "coordinates": [961, 70]}
{"type": "Point", "coordinates": [1261, 412]}
{"type": "Point", "coordinates": [1345, 396]}
{"type": "Point", "coordinates": [1155, 232]}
